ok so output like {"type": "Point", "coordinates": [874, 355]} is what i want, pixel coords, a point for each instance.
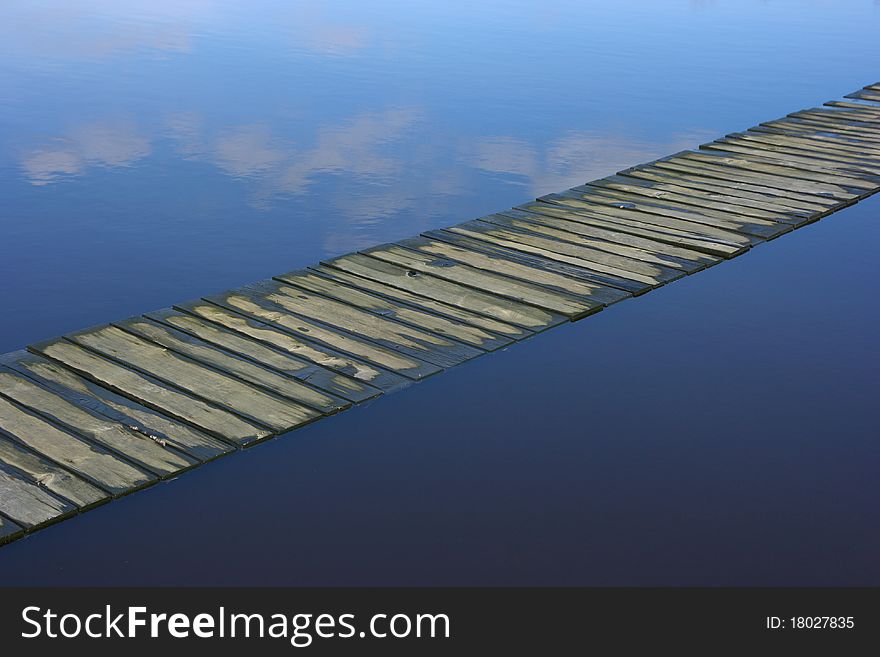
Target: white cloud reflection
{"type": "Point", "coordinates": [112, 143]}
{"type": "Point", "coordinates": [390, 168]}
{"type": "Point", "coordinates": [570, 160]}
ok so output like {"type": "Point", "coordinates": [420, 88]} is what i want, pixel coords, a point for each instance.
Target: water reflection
{"type": "Point", "coordinates": [110, 143]}
{"type": "Point", "coordinates": [98, 29]}
{"type": "Point", "coordinates": [573, 158]}
{"type": "Point", "coordinates": [296, 130]}
{"type": "Point", "coordinates": [310, 26]}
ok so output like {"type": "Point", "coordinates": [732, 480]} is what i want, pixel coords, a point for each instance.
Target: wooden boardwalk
{"type": "Point", "coordinates": [100, 413]}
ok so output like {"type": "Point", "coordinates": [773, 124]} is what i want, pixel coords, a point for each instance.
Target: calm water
{"type": "Point", "coordinates": [718, 431]}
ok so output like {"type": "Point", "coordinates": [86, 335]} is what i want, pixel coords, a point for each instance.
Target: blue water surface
{"type": "Point", "coordinates": [720, 431]}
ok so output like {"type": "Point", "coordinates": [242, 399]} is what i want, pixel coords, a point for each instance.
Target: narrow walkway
{"type": "Point", "coordinates": [109, 410]}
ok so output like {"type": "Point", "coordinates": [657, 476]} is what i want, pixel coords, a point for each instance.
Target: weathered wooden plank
{"type": "Point", "coordinates": [804, 129]}
{"type": "Point", "coordinates": [9, 531]}
{"type": "Point", "coordinates": [795, 180]}
{"type": "Point", "coordinates": [494, 326]}
{"type": "Point", "coordinates": [474, 336]}
{"type": "Point", "coordinates": [673, 235]}
{"type": "Point", "coordinates": [811, 144]}
{"type": "Point", "coordinates": [747, 193]}
{"type": "Point", "coordinates": [487, 281]}
{"type": "Point", "coordinates": [811, 162]}
{"type": "Point", "coordinates": [42, 472]}
{"type": "Point", "coordinates": [683, 197]}
{"type": "Point", "coordinates": [415, 282]}
{"type": "Point", "coordinates": [263, 310]}
{"type": "Point", "coordinates": [727, 173]}
{"type": "Point", "coordinates": [846, 121]}
{"type": "Point", "coordinates": [582, 256]}
{"type": "Point", "coordinates": [839, 130]}
{"type": "Point", "coordinates": [623, 191]}
{"type": "Point", "coordinates": [289, 343]}
{"type": "Point", "coordinates": [835, 122]}
{"type": "Point", "coordinates": [203, 382]}
{"type": "Point", "coordinates": [822, 140]}
{"type": "Point", "coordinates": [689, 259]}
{"type": "Point", "coordinates": [868, 107]}
{"type": "Point", "coordinates": [863, 107]}
{"type": "Point", "coordinates": [725, 220]}
{"type": "Point", "coordinates": [228, 363]}
{"type": "Point", "coordinates": [116, 437]}
{"type": "Point", "coordinates": [858, 117]}
{"type": "Point", "coordinates": [89, 461]}
{"type": "Point", "coordinates": [393, 335]}
{"type": "Point", "coordinates": [863, 111]}
{"type": "Point", "coordinates": [27, 504]}
{"type": "Point", "coordinates": [623, 212]}
{"type": "Point", "coordinates": [150, 392]}
{"type": "Point", "coordinates": [281, 361]}
{"type": "Point", "coordinates": [865, 94]}
{"type": "Point", "coordinates": [827, 157]}
{"type": "Point", "coordinates": [84, 393]}
{"type": "Point", "coordinates": [813, 172]}
{"type": "Point", "coordinates": [558, 272]}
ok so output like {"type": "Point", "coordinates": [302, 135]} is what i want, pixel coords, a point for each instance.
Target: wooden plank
{"type": "Point", "coordinates": [838, 130]}
{"type": "Point", "coordinates": [89, 461]}
{"type": "Point", "coordinates": [180, 372]}
{"type": "Point", "coordinates": [42, 472]}
{"type": "Point", "coordinates": [487, 281]}
{"type": "Point", "coordinates": [672, 235]}
{"type": "Point", "coordinates": [682, 196]}
{"type": "Point", "coordinates": [84, 393]}
{"type": "Point", "coordinates": [785, 146]}
{"type": "Point", "coordinates": [813, 133]}
{"type": "Point", "coordinates": [557, 272]}
{"type": "Point", "coordinates": [836, 123]}
{"type": "Point", "coordinates": [415, 282]}
{"type": "Point", "coordinates": [690, 259]}
{"type": "Point", "coordinates": [785, 157]}
{"type": "Point", "coordinates": [850, 105]}
{"type": "Point", "coordinates": [724, 220]}
{"type": "Point", "coordinates": [152, 393]}
{"type": "Point", "coordinates": [873, 110]}
{"type": "Point", "coordinates": [804, 129]}
{"type": "Point", "coordinates": [289, 343]}
{"type": "Point", "coordinates": [270, 313]}
{"type": "Point", "coordinates": [335, 316]}
{"type": "Point", "coordinates": [746, 192]}
{"type": "Point", "coordinates": [865, 94]}
{"type": "Point", "coordinates": [27, 504]}
{"type": "Point", "coordinates": [624, 212]}
{"type": "Point", "coordinates": [741, 169]}
{"type": "Point", "coordinates": [719, 172]}
{"type": "Point", "coordinates": [812, 144]}
{"type": "Point", "coordinates": [494, 326]}
{"type": "Point", "coordinates": [813, 172]}
{"type": "Point", "coordinates": [474, 336]}
{"type": "Point", "coordinates": [865, 110]}
{"type": "Point", "coordinates": [9, 531]}
{"type": "Point", "coordinates": [846, 121]}
{"type": "Point", "coordinates": [231, 364]}
{"type": "Point", "coordinates": [116, 437]}
{"type": "Point", "coordinates": [466, 236]}
{"type": "Point", "coordinates": [279, 360]}
{"type": "Point", "coordinates": [633, 192]}
{"type": "Point", "coordinates": [582, 256]}
{"type": "Point", "coordinates": [858, 117]}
